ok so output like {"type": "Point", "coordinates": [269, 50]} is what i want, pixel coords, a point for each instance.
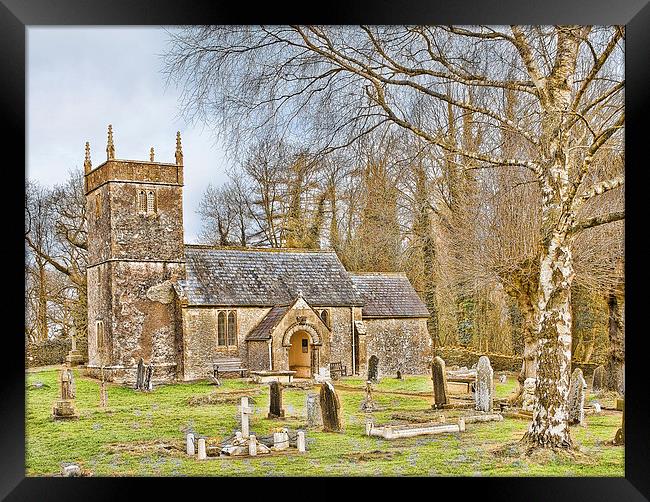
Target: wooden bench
{"type": "Point", "coordinates": [228, 365]}
{"type": "Point", "coordinates": [338, 369]}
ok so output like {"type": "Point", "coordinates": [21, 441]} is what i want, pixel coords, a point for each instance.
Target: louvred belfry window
{"type": "Point", "coordinates": [142, 201]}
{"type": "Point", "coordinates": [151, 202]}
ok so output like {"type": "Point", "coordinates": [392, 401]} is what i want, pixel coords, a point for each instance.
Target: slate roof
{"type": "Point", "coordinates": [263, 330]}
{"type": "Point", "coordinates": [388, 295]}
{"type": "Point", "coordinates": [256, 277]}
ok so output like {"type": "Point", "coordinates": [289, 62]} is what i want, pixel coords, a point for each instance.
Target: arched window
{"type": "Point", "coordinates": [325, 317]}
{"type": "Point", "coordinates": [221, 328]}
{"type": "Point", "coordinates": [151, 202]}
{"type": "Point", "coordinates": [232, 329]}
{"type": "Point", "coordinates": [142, 201]}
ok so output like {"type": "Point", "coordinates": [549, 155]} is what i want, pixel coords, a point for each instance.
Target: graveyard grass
{"type": "Point", "coordinates": [143, 434]}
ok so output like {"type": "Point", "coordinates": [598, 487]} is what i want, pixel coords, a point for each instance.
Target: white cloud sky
{"type": "Point", "coordinates": [79, 80]}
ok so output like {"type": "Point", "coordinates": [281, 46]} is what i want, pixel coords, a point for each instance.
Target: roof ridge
{"type": "Point", "coordinates": [256, 250]}
{"type": "Point", "coordinates": [389, 274]}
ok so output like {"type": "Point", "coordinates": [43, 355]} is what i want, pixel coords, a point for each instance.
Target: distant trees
{"type": "Point", "coordinates": [521, 122]}
{"type": "Point", "coordinates": [55, 259]}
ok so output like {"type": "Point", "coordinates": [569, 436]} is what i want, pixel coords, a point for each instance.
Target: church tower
{"type": "Point", "coordinates": [134, 211]}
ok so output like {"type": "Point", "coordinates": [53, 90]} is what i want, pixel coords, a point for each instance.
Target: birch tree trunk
{"type": "Point", "coordinates": [549, 427]}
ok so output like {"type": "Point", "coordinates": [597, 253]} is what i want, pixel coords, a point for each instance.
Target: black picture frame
{"type": "Point", "coordinates": [17, 15]}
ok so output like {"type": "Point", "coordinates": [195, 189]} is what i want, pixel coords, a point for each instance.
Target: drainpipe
{"type": "Point", "coordinates": [354, 370]}
{"type": "Point", "coordinates": [270, 354]}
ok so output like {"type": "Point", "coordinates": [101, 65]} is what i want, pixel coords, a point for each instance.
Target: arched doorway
{"type": "Point", "coordinates": [300, 354]}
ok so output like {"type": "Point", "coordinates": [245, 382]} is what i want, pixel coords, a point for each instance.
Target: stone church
{"type": "Point", "coordinates": [182, 307]}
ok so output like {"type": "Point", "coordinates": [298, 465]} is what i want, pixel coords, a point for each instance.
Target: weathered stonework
{"type": "Point", "coordinates": [400, 344]}
{"type": "Point", "coordinates": [156, 299]}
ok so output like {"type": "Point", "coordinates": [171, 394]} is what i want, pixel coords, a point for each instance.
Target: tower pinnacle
{"type": "Point", "coordinates": [110, 147]}
{"type": "Point", "coordinates": [179, 149]}
{"type": "Point", "coordinates": [87, 163]}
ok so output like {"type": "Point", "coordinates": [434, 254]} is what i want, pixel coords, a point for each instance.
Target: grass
{"type": "Point", "coordinates": [122, 439]}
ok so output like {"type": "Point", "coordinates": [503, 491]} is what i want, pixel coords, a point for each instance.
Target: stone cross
{"type": "Point", "coordinates": [64, 406]}
{"type": "Point", "coordinates": [577, 388]}
{"type": "Point", "coordinates": [483, 396]}
{"type": "Point", "coordinates": [330, 408]}
{"type": "Point", "coordinates": [598, 379]}
{"type": "Point", "coordinates": [314, 418]}
{"type": "Point", "coordinates": [189, 444]}
{"type": "Point", "coordinates": [439, 377]}
{"type": "Point", "coordinates": [275, 400]}
{"type": "Point", "coordinates": [373, 368]}
{"type": "Point", "coordinates": [245, 416]}
{"type": "Point", "coordinates": [368, 404]}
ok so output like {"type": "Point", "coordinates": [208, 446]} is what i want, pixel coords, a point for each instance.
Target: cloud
{"type": "Point", "coordinates": [80, 79]}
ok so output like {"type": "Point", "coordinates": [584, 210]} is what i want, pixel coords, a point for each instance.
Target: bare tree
{"type": "Point", "coordinates": [332, 86]}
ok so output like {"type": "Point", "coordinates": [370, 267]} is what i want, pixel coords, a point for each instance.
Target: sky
{"type": "Point", "coordinates": [80, 79]}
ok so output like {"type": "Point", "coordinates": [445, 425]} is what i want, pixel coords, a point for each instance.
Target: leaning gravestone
{"type": "Point", "coordinates": [148, 384]}
{"type": "Point", "coordinates": [577, 388]}
{"type": "Point", "coordinates": [314, 417]}
{"type": "Point", "coordinates": [373, 368]}
{"type": "Point", "coordinates": [275, 401]}
{"type": "Point", "coordinates": [598, 379]}
{"type": "Point", "coordinates": [330, 408]}
{"type": "Point", "coordinates": [483, 396]}
{"type": "Point", "coordinates": [439, 377]}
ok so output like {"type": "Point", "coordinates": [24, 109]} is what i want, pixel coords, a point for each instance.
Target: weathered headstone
{"type": "Point", "coordinates": [483, 396]}
{"type": "Point", "coordinates": [139, 376]}
{"type": "Point", "coordinates": [598, 379]}
{"type": "Point", "coordinates": [620, 434]}
{"type": "Point", "coordinates": [252, 445]}
{"type": "Point", "coordinates": [314, 417]}
{"type": "Point", "coordinates": [275, 402]}
{"type": "Point", "coordinates": [330, 408]}
{"type": "Point", "coordinates": [528, 398]}
{"type": "Point", "coordinates": [503, 378]}
{"type": "Point", "coordinates": [399, 375]}
{"type": "Point", "coordinates": [202, 453]}
{"type": "Point", "coordinates": [301, 443]}
{"type": "Point", "coordinates": [577, 387]}
{"type": "Point", "coordinates": [189, 444]}
{"type": "Point", "coordinates": [64, 406]}
{"type": "Point", "coordinates": [373, 368]}
{"type": "Point", "coordinates": [439, 377]}
{"type": "Point", "coordinates": [148, 384]}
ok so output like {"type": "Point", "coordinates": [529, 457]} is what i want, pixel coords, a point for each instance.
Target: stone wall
{"type": "Point", "coordinates": [340, 349]}
{"type": "Point", "coordinates": [200, 338]}
{"type": "Point", "coordinates": [400, 344]}
{"type": "Point", "coordinates": [258, 355]}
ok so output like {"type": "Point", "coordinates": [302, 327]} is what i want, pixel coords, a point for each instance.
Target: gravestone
{"type": "Point", "coordinates": [275, 404]}
{"type": "Point", "coordinates": [598, 379]}
{"type": "Point", "coordinates": [330, 408]}
{"type": "Point", "coordinates": [577, 387]}
{"type": "Point", "coordinates": [314, 417]}
{"type": "Point", "coordinates": [189, 444]}
{"type": "Point", "coordinates": [139, 376]}
{"type": "Point", "coordinates": [399, 375]}
{"type": "Point", "coordinates": [64, 406]}
{"type": "Point", "coordinates": [202, 453]}
{"type": "Point", "coordinates": [373, 368]}
{"type": "Point", "coordinates": [483, 396]}
{"type": "Point", "coordinates": [439, 377]}
{"type": "Point", "coordinates": [148, 384]}
{"type": "Point", "coordinates": [620, 434]}
{"type": "Point", "coordinates": [503, 378]}
{"type": "Point", "coordinates": [301, 444]}
{"type": "Point", "coordinates": [528, 398]}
